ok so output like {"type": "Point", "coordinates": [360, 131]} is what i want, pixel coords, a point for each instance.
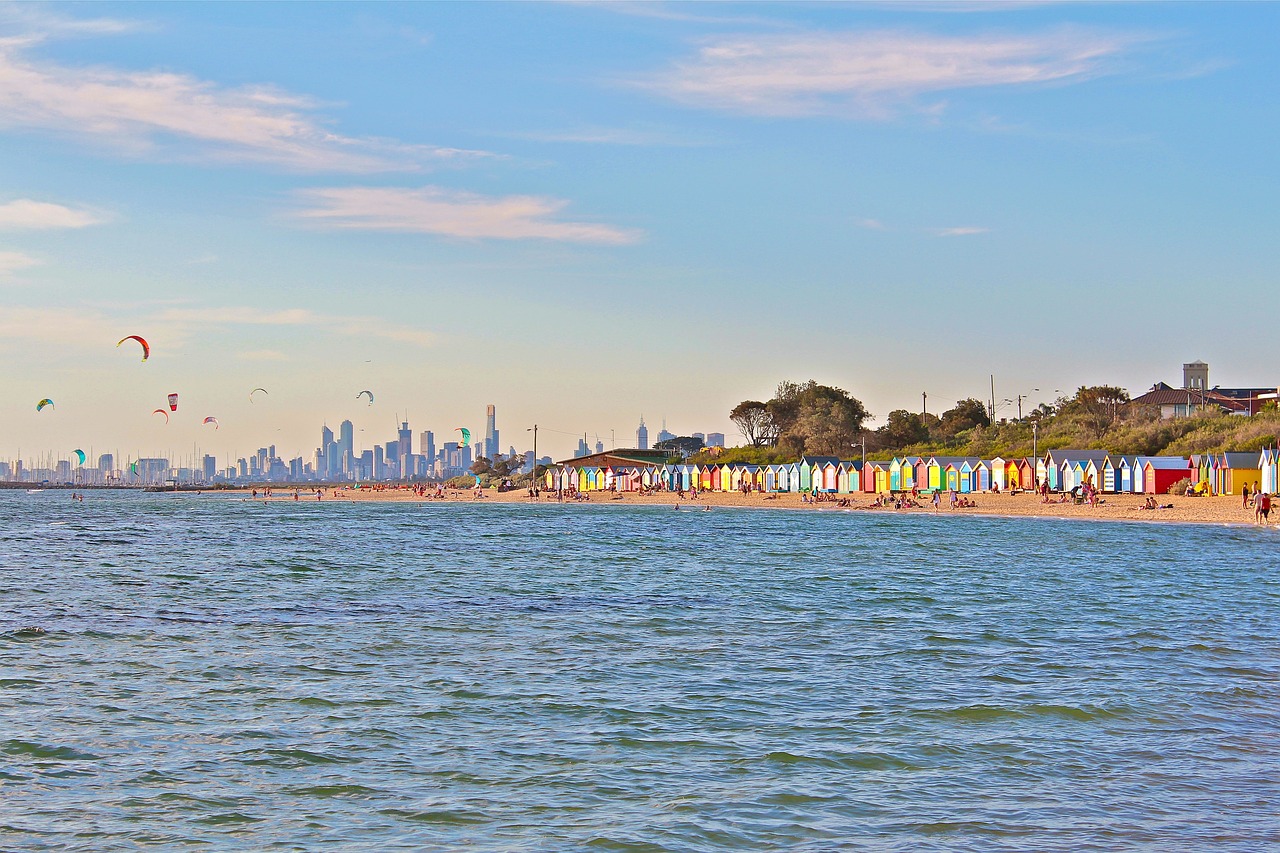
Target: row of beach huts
{"type": "Point", "coordinates": [1063, 470]}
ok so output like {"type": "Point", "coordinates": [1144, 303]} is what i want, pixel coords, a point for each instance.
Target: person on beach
{"type": "Point", "coordinates": [1262, 507]}
{"type": "Point", "coordinates": [937, 500]}
{"type": "Point", "coordinates": [1244, 491]}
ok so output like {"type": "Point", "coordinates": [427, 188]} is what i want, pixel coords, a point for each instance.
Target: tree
{"type": "Point", "coordinates": [482, 465]}
{"type": "Point", "coordinates": [754, 422]}
{"type": "Point", "coordinates": [966, 414]}
{"type": "Point", "coordinates": [507, 465]}
{"type": "Point", "coordinates": [684, 445]}
{"type": "Point", "coordinates": [817, 419]}
{"type": "Point", "coordinates": [903, 428]}
{"type": "Point", "coordinates": [1096, 407]}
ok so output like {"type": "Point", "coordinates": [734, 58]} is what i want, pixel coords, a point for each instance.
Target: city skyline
{"type": "Point", "coordinates": [447, 204]}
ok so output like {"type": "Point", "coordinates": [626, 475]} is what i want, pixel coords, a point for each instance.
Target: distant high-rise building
{"type": "Point", "coordinates": [210, 468]}
{"type": "Point", "coordinates": [582, 449]}
{"type": "Point", "coordinates": [715, 439]}
{"type": "Point", "coordinates": [427, 447]}
{"type": "Point", "coordinates": [642, 435]}
{"type": "Point", "coordinates": [663, 435]}
{"type": "Point", "coordinates": [491, 445]}
{"type": "Point", "coordinates": [700, 437]}
{"type": "Point", "coordinates": [106, 462]}
{"type": "Point", "coordinates": [326, 436]}
{"type": "Point", "coordinates": [347, 437]}
{"type": "Point", "coordinates": [406, 447]}
{"type": "Point", "coordinates": [599, 447]}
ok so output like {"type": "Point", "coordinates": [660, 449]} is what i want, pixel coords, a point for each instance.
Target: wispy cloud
{"type": "Point", "coordinates": [614, 136]}
{"type": "Point", "coordinates": [26, 213]}
{"type": "Point", "coordinates": [436, 210]}
{"type": "Point", "coordinates": [165, 113]}
{"type": "Point", "coordinates": [672, 12]}
{"type": "Point", "coordinates": [243, 315]}
{"type": "Point", "coordinates": [875, 74]}
{"type": "Point", "coordinates": [11, 262]}
{"type": "Point", "coordinates": [961, 231]}
{"type": "Point", "coordinates": [871, 224]}
{"type": "Point", "coordinates": [84, 326]}
{"type": "Point", "coordinates": [262, 355]}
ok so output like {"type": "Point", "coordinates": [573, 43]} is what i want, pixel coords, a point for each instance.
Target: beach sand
{"type": "Point", "coordinates": [1225, 509]}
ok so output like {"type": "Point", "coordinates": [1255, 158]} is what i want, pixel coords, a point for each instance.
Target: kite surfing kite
{"type": "Point", "coordinates": [173, 402]}
{"type": "Point", "coordinates": [45, 402]}
{"type": "Point", "coordinates": [466, 436]}
{"type": "Point", "coordinates": [255, 391]}
{"type": "Point", "coordinates": [162, 412]}
{"type": "Point", "coordinates": [364, 393]}
{"type": "Point", "coordinates": [212, 420]}
{"type": "Point", "coordinates": [146, 347]}
{"type": "Point", "coordinates": [79, 455]}
{"type": "Point", "coordinates": [133, 468]}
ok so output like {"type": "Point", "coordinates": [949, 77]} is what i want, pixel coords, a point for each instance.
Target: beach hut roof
{"type": "Point", "coordinates": [944, 461]}
{"type": "Point", "coordinates": [820, 460]}
{"type": "Point", "coordinates": [1164, 462]}
{"type": "Point", "coordinates": [1240, 460]}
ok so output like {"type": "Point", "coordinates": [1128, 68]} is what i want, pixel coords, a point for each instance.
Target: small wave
{"type": "Point", "coordinates": [327, 791]}
{"type": "Point", "coordinates": [228, 818]}
{"type": "Point", "coordinates": [40, 750]}
{"type": "Point", "coordinates": [446, 816]}
{"type": "Point", "coordinates": [295, 758]}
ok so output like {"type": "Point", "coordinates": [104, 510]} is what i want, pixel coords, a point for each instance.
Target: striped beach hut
{"type": "Point", "coordinates": [1268, 468]}
{"type": "Point", "coordinates": [849, 480]}
{"type": "Point", "coordinates": [1026, 473]}
{"type": "Point", "coordinates": [1234, 471]}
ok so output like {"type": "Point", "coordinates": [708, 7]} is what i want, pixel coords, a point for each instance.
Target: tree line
{"type": "Point", "coordinates": [811, 419]}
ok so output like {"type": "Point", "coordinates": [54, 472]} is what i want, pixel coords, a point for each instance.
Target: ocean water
{"type": "Point", "coordinates": [227, 674]}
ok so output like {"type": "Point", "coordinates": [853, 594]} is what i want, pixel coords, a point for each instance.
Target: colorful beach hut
{"type": "Point", "coordinates": [1161, 472]}
{"type": "Point", "coordinates": [1234, 471]}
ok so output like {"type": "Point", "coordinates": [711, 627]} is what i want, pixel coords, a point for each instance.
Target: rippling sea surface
{"type": "Point", "coordinates": [374, 677]}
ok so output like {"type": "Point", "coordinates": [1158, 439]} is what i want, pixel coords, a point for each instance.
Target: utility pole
{"type": "Point", "coordinates": [993, 396]}
{"type": "Point", "coordinates": [924, 403]}
{"type": "Point", "coordinates": [534, 470]}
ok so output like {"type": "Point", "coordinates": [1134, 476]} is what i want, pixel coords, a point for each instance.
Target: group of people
{"type": "Point", "coordinates": [1259, 500]}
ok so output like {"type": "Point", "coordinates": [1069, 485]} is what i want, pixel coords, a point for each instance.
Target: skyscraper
{"type": "Point", "coordinates": [406, 444]}
{"type": "Point", "coordinates": [427, 447]}
{"type": "Point", "coordinates": [642, 435]}
{"type": "Point", "coordinates": [347, 437]}
{"type": "Point", "coordinates": [663, 435]}
{"type": "Point", "coordinates": [491, 446]}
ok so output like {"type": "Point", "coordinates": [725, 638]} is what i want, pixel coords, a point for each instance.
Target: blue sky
{"type": "Point", "coordinates": [587, 212]}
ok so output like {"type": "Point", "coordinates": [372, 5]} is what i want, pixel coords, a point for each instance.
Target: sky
{"type": "Point", "coordinates": [586, 213]}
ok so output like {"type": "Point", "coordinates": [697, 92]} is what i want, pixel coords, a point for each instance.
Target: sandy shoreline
{"type": "Point", "coordinates": [1225, 509]}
